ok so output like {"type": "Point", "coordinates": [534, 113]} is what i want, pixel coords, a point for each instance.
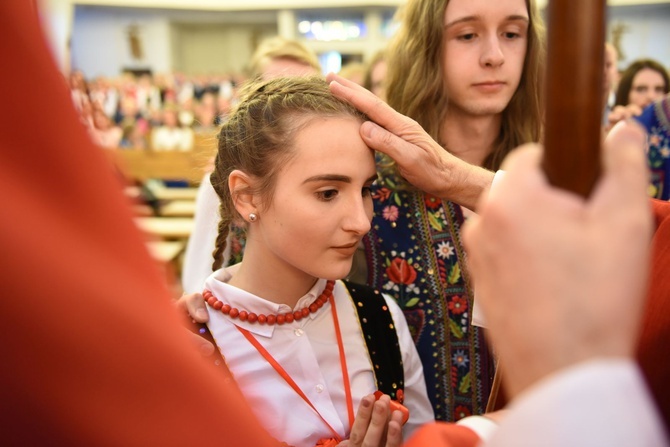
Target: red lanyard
{"type": "Point", "coordinates": [296, 388]}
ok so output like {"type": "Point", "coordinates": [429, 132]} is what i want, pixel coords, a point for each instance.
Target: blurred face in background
{"type": "Point", "coordinates": [378, 76]}
{"type": "Point", "coordinates": [284, 66]}
{"type": "Point", "coordinates": [648, 86]}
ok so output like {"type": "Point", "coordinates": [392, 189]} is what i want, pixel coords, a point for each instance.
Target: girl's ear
{"type": "Point", "coordinates": [241, 187]}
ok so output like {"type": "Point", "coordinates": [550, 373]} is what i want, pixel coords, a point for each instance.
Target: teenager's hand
{"type": "Point", "coordinates": [375, 425]}
{"type": "Point", "coordinates": [193, 304]}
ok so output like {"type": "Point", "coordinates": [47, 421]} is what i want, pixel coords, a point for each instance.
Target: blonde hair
{"type": "Point", "coordinates": [258, 137]}
{"type": "Point", "coordinates": [278, 47]}
{"type": "Point", "coordinates": [415, 79]}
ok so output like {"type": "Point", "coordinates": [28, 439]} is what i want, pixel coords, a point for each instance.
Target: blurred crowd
{"type": "Point", "coordinates": [161, 112]}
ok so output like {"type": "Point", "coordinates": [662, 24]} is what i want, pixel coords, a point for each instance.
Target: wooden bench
{"type": "Point", "coordinates": [141, 165]}
{"type": "Point", "coordinates": [178, 208]}
{"type": "Point", "coordinates": [166, 227]}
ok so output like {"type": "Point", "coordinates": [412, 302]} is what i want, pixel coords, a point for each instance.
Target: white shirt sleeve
{"type": "Point", "coordinates": [198, 257]}
{"type": "Point", "coordinates": [416, 395]}
{"type": "Point", "coordinates": [484, 427]}
{"type": "Point", "coordinates": [602, 402]}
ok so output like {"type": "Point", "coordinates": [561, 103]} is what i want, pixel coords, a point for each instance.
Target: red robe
{"type": "Point", "coordinates": [654, 343]}
{"type": "Point", "coordinates": [93, 351]}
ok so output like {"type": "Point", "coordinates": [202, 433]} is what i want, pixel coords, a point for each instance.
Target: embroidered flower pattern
{"type": "Point", "coordinates": [418, 259]}
{"type": "Point", "coordinates": [390, 213]}
{"type": "Point", "coordinates": [400, 271]}
{"type": "Point", "coordinates": [445, 250]}
{"type": "Point", "coordinates": [458, 304]}
{"type": "Point", "coordinates": [432, 202]}
{"type": "Point", "coordinates": [382, 194]}
{"type": "Point", "coordinates": [460, 359]}
{"type": "Point", "coordinates": [656, 120]}
{"type": "Point", "coordinates": [461, 412]}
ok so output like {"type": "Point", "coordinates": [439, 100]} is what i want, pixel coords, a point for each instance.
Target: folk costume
{"type": "Point", "coordinates": [415, 254]}
{"type": "Point", "coordinates": [656, 120]}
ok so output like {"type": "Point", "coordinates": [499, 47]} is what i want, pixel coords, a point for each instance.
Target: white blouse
{"type": "Point", "coordinates": [308, 351]}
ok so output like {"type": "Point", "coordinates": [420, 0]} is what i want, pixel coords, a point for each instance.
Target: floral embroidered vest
{"type": "Point", "coordinates": [414, 253]}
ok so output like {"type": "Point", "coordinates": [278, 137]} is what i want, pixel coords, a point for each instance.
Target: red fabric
{"type": "Point", "coordinates": [93, 352]}
{"type": "Point", "coordinates": [654, 343]}
{"type": "Point", "coordinates": [443, 434]}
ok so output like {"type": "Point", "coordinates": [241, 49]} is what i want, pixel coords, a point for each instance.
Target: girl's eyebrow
{"type": "Point", "coordinates": [328, 177]}
{"type": "Point", "coordinates": [336, 178]}
{"type": "Point", "coordinates": [466, 19]}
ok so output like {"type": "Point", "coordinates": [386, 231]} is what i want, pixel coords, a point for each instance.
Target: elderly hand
{"type": "Point", "coordinates": [421, 161]}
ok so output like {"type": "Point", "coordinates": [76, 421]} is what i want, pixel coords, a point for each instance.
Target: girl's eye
{"type": "Point", "coordinates": [367, 191]}
{"type": "Point", "coordinates": [327, 195]}
{"type": "Point", "coordinates": [466, 37]}
{"type": "Point", "coordinates": [512, 35]}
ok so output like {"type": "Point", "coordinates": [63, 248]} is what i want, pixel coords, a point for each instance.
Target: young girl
{"type": "Point", "coordinates": [303, 346]}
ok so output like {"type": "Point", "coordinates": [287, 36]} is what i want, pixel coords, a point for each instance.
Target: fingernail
{"type": "Point", "coordinates": [368, 129]}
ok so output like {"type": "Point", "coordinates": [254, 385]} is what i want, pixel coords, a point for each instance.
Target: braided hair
{"type": "Point", "coordinates": [258, 135]}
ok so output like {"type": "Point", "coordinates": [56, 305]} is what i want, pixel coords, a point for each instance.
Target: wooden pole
{"type": "Point", "coordinates": [575, 66]}
{"type": "Point", "coordinates": [573, 120]}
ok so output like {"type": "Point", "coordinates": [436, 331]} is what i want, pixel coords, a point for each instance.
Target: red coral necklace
{"type": "Point", "coordinates": [289, 317]}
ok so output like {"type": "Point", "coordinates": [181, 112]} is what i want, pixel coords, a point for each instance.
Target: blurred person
{"type": "Point", "coordinates": [134, 136]}
{"type": "Point", "coordinates": [171, 135]}
{"type": "Point", "coordinates": [375, 75]}
{"type": "Point", "coordinates": [643, 82]}
{"type": "Point", "coordinates": [103, 131]}
{"type": "Point", "coordinates": [186, 114]}
{"type": "Point", "coordinates": [610, 80]}
{"type": "Point", "coordinates": [278, 56]}
{"type": "Point", "coordinates": [205, 113]}
{"type": "Point", "coordinates": [104, 95]}
{"type": "Point", "coordinates": [148, 95]}
{"type": "Point", "coordinates": [354, 71]}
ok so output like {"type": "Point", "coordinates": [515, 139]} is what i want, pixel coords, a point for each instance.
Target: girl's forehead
{"type": "Point", "coordinates": [328, 142]}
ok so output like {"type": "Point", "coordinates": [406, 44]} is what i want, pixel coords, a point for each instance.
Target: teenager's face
{"type": "Point", "coordinates": [484, 51]}
{"type": "Point", "coordinates": [648, 86]}
{"type": "Point", "coordinates": [321, 207]}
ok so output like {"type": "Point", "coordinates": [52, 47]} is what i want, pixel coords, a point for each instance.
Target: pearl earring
{"type": "Point", "coordinates": [252, 217]}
